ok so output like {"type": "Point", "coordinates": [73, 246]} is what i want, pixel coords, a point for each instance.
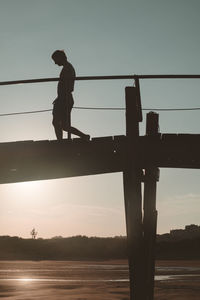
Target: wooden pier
{"type": "Point", "coordinates": [137, 157]}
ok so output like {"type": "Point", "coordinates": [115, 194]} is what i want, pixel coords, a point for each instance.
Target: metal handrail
{"type": "Point", "coordinates": [112, 77]}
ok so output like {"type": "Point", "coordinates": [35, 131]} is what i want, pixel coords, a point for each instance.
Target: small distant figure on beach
{"type": "Point", "coordinates": [64, 102]}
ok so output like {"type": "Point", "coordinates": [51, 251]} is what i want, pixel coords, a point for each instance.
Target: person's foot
{"type": "Point", "coordinates": [86, 137]}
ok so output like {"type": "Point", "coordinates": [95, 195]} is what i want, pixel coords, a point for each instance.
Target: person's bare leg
{"type": "Point", "coordinates": [77, 132]}
{"type": "Point", "coordinates": [58, 130]}
{"type": "Point", "coordinates": [59, 133]}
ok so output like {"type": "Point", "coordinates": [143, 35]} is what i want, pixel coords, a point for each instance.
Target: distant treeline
{"type": "Point", "coordinates": [89, 248]}
{"type": "Point", "coordinates": [77, 247]}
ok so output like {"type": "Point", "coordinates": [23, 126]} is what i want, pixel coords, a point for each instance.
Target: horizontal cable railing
{"type": "Point", "coordinates": [110, 77]}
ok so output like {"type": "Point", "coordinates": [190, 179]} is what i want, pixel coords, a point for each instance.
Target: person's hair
{"type": "Point", "coordinates": [60, 54]}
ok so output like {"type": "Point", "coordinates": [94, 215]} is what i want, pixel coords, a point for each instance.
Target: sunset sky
{"type": "Point", "coordinates": [107, 37]}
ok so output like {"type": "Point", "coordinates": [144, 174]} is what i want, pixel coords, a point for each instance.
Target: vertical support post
{"type": "Point", "coordinates": [150, 214]}
{"type": "Point", "coordinates": [138, 100]}
{"type": "Point", "coordinates": [132, 176]}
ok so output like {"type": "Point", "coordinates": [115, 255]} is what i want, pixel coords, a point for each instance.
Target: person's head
{"type": "Point", "coordinates": [59, 57]}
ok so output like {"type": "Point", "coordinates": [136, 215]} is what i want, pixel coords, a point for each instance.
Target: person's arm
{"type": "Point", "coordinates": [68, 78]}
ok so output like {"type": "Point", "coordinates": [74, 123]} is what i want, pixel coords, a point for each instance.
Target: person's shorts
{"type": "Point", "coordinates": [62, 108]}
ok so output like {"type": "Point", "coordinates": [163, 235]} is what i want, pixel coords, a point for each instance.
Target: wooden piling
{"type": "Point", "coordinates": [150, 214]}
{"type": "Point", "coordinates": [133, 197]}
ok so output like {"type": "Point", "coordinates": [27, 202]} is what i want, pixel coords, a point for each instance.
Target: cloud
{"type": "Point", "coordinates": [189, 196]}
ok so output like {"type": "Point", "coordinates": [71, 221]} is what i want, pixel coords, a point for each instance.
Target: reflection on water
{"type": "Point", "coordinates": [22, 280]}
{"type": "Point", "coordinates": [157, 277]}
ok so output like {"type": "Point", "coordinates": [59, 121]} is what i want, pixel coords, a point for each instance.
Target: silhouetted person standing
{"type": "Point", "coordinates": [64, 102]}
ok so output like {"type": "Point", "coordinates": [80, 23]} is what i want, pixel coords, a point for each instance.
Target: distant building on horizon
{"type": "Point", "coordinates": [190, 231]}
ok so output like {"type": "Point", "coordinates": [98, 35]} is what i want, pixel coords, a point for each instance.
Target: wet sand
{"type": "Point", "coordinates": [75, 280]}
{"type": "Point", "coordinates": [184, 285]}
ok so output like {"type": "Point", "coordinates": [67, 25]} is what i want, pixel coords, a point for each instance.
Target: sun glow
{"type": "Point", "coordinates": [26, 279]}
{"type": "Point", "coordinates": [23, 192]}
{"type": "Point", "coordinates": [29, 186]}
{"type": "Point", "coordinates": [30, 190]}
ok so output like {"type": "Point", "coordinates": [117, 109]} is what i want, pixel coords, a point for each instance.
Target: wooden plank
{"type": "Point", "coordinates": [50, 159]}
{"type": "Point", "coordinates": [46, 159]}
{"type": "Point", "coordinates": [170, 151]}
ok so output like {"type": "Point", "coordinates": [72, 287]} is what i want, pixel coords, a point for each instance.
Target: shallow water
{"type": "Point", "coordinates": [29, 280]}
